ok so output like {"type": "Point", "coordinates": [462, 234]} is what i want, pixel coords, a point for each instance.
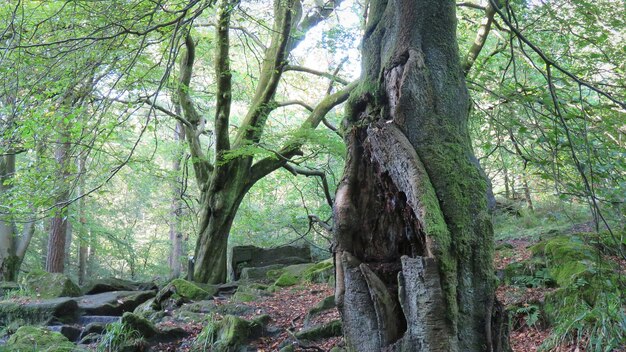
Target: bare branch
{"type": "Point", "coordinates": [330, 76]}
{"type": "Point", "coordinates": [294, 102]}
{"type": "Point", "coordinates": [481, 38]}
{"type": "Point", "coordinates": [295, 170]}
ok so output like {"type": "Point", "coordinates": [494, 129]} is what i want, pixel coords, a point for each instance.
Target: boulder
{"type": "Point", "coordinates": [40, 312]}
{"type": "Point", "coordinates": [113, 303]}
{"type": "Point", "coordinates": [320, 272]}
{"type": "Point", "coordinates": [258, 273]}
{"type": "Point", "coordinates": [114, 284]}
{"type": "Point", "coordinates": [31, 338]}
{"type": "Point", "coordinates": [135, 322]}
{"type": "Point", "coordinates": [324, 305]}
{"type": "Point", "coordinates": [71, 332]}
{"type": "Point", "coordinates": [251, 256]}
{"type": "Point", "coordinates": [181, 291]}
{"type": "Point", "coordinates": [229, 334]}
{"type": "Point", "coordinates": [324, 331]}
{"type": "Point", "coordinates": [49, 285]}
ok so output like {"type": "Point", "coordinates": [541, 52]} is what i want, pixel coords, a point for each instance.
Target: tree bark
{"type": "Point", "coordinates": [55, 260]}
{"type": "Point", "coordinates": [176, 235]}
{"type": "Point", "coordinates": [414, 240]}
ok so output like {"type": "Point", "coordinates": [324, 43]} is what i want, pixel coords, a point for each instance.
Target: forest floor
{"type": "Point", "coordinates": [288, 308]}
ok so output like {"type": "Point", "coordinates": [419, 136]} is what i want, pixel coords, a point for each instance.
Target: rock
{"type": "Point", "coordinates": [94, 328]}
{"type": "Point", "coordinates": [229, 334]}
{"type": "Point", "coordinates": [325, 331]}
{"type": "Point", "coordinates": [114, 284]}
{"type": "Point", "coordinates": [43, 312]}
{"type": "Point", "coordinates": [113, 303]}
{"type": "Point", "coordinates": [89, 339]}
{"type": "Point", "coordinates": [8, 286]}
{"type": "Point", "coordinates": [103, 319]}
{"type": "Point", "coordinates": [320, 272]}
{"type": "Point", "coordinates": [286, 279]}
{"type": "Point", "coordinates": [291, 275]}
{"type": "Point", "coordinates": [251, 256]}
{"type": "Point", "coordinates": [183, 291]}
{"type": "Point", "coordinates": [50, 285]}
{"type": "Point", "coordinates": [171, 332]}
{"type": "Point", "coordinates": [31, 338]}
{"type": "Point", "coordinates": [327, 303]}
{"type": "Point", "coordinates": [258, 273]}
{"type": "Point", "coordinates": [71, 332]}
{"type": "Point", "coordinates": [135, 322]}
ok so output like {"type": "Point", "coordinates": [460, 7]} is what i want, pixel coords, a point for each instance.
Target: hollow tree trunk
{"type": "Point", "coordinates": [413, 231]}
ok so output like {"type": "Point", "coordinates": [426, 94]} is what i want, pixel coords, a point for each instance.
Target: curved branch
{"type": "Point", "coordinates": [317, 73]}
{"type": "Point", "coordinates": [295, 170]}
{"type": "Point", "coordinates": [201, 164]}
{"type": "Point", "coordinates": [265, 166]}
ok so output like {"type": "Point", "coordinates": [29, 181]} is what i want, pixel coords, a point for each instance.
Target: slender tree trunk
{"type": "Point", "coordinates": [8, 259]}
{"type": "Point", "coordinates": [83, 242]}
{"type": "Point", "coordinates": [527, 194]}
{"type": "Point", "coordinates": [414, 241]}
{"type": "Point", "coordinates": [176, 235]}
{"type": "Point", "coordinates": [55, 260]}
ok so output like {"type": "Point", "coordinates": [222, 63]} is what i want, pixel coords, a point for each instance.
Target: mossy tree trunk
{"type": "Point", "coordinates": [225, 179]}
{"type": "Point", "coordinates": [414, 240]}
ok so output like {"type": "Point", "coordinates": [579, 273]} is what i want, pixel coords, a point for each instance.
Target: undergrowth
{"type": "Point", "coordinates": [117, 336]}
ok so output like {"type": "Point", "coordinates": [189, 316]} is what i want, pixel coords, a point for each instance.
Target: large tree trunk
{"type": "Point", "coordinates": [219, 207]}
{"type": "Point", "coordinates": [413, 231]}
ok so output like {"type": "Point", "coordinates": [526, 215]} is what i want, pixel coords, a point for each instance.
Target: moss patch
{"type": "Point", "coordinates": [286, 279]}
{"type": "Point", "coordinates": [50, 285]}
{"type": "Point", "coordinates": [135, 322]}
{"type": "Point", "coordinates": [320, 272]}
{"type": "Point", "coordinates": [331, 329]}
{"type": "Point", "coordinates": [589, 298]}
{"type": "Point", "coordinates": [227, 334]}
{"type": "Point", "coordinates": [31, 338]}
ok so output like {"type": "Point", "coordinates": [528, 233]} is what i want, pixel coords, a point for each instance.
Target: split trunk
{"type": "Point", "coordinates": [414, 240]}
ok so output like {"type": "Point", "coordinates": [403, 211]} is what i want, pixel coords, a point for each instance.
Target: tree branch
{"type": "Point", "coordinates": [481, 38]}
{"type": "Point", "coordinates": [265, 166]}
{"type": "Point", "coordinates": [294, 102]}
{"type": "Point", "coordinates": [295, 170]}
{"type": "Point", "coordinates": [317, 73]}
{"type": "Point", "coordinates": [549, 61]}
{"type": "Point", "coordinates": [201, 164]}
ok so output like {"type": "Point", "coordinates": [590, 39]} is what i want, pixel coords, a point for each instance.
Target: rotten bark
{"type": "Point", "coordinates": [414, 240]}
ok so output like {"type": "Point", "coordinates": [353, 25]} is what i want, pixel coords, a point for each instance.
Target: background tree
{"type": "Point", "coordinates": [225, 180]}
{"type": "Point", "coordinates": [414, 236]}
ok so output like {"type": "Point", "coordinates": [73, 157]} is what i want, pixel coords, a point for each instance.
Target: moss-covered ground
{"type": "Point", "coordinates": [563, 284]}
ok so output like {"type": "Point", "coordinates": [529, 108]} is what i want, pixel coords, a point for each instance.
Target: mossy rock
{"type": "Point", "coordinates": [32, 338]}
{"type": "Point", "coordinates": [114, 284]}
{"type": "Point", "coordinates": [49, 285]}
{"type": "Point", "coordinates": [286, 279]}
{"type": "Point", "coordinates": [183, 291]}
{"type": "Point", "coordinates": [331, 329]}
{"type": "Point", "coordinates": [43, 312]}
{"type": "Point", "coordinates": [136, 322]}
{"type": "Point", "coordinates": [320, 272]}
{"type": "Point", "coordinates": [258, 273]}
{"type": "Point", "coordinates": [240, 296]}
{"type": "Point", "coordinates": [323, 305]}
{"type": "Point", "coordinates": [227, 335]}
